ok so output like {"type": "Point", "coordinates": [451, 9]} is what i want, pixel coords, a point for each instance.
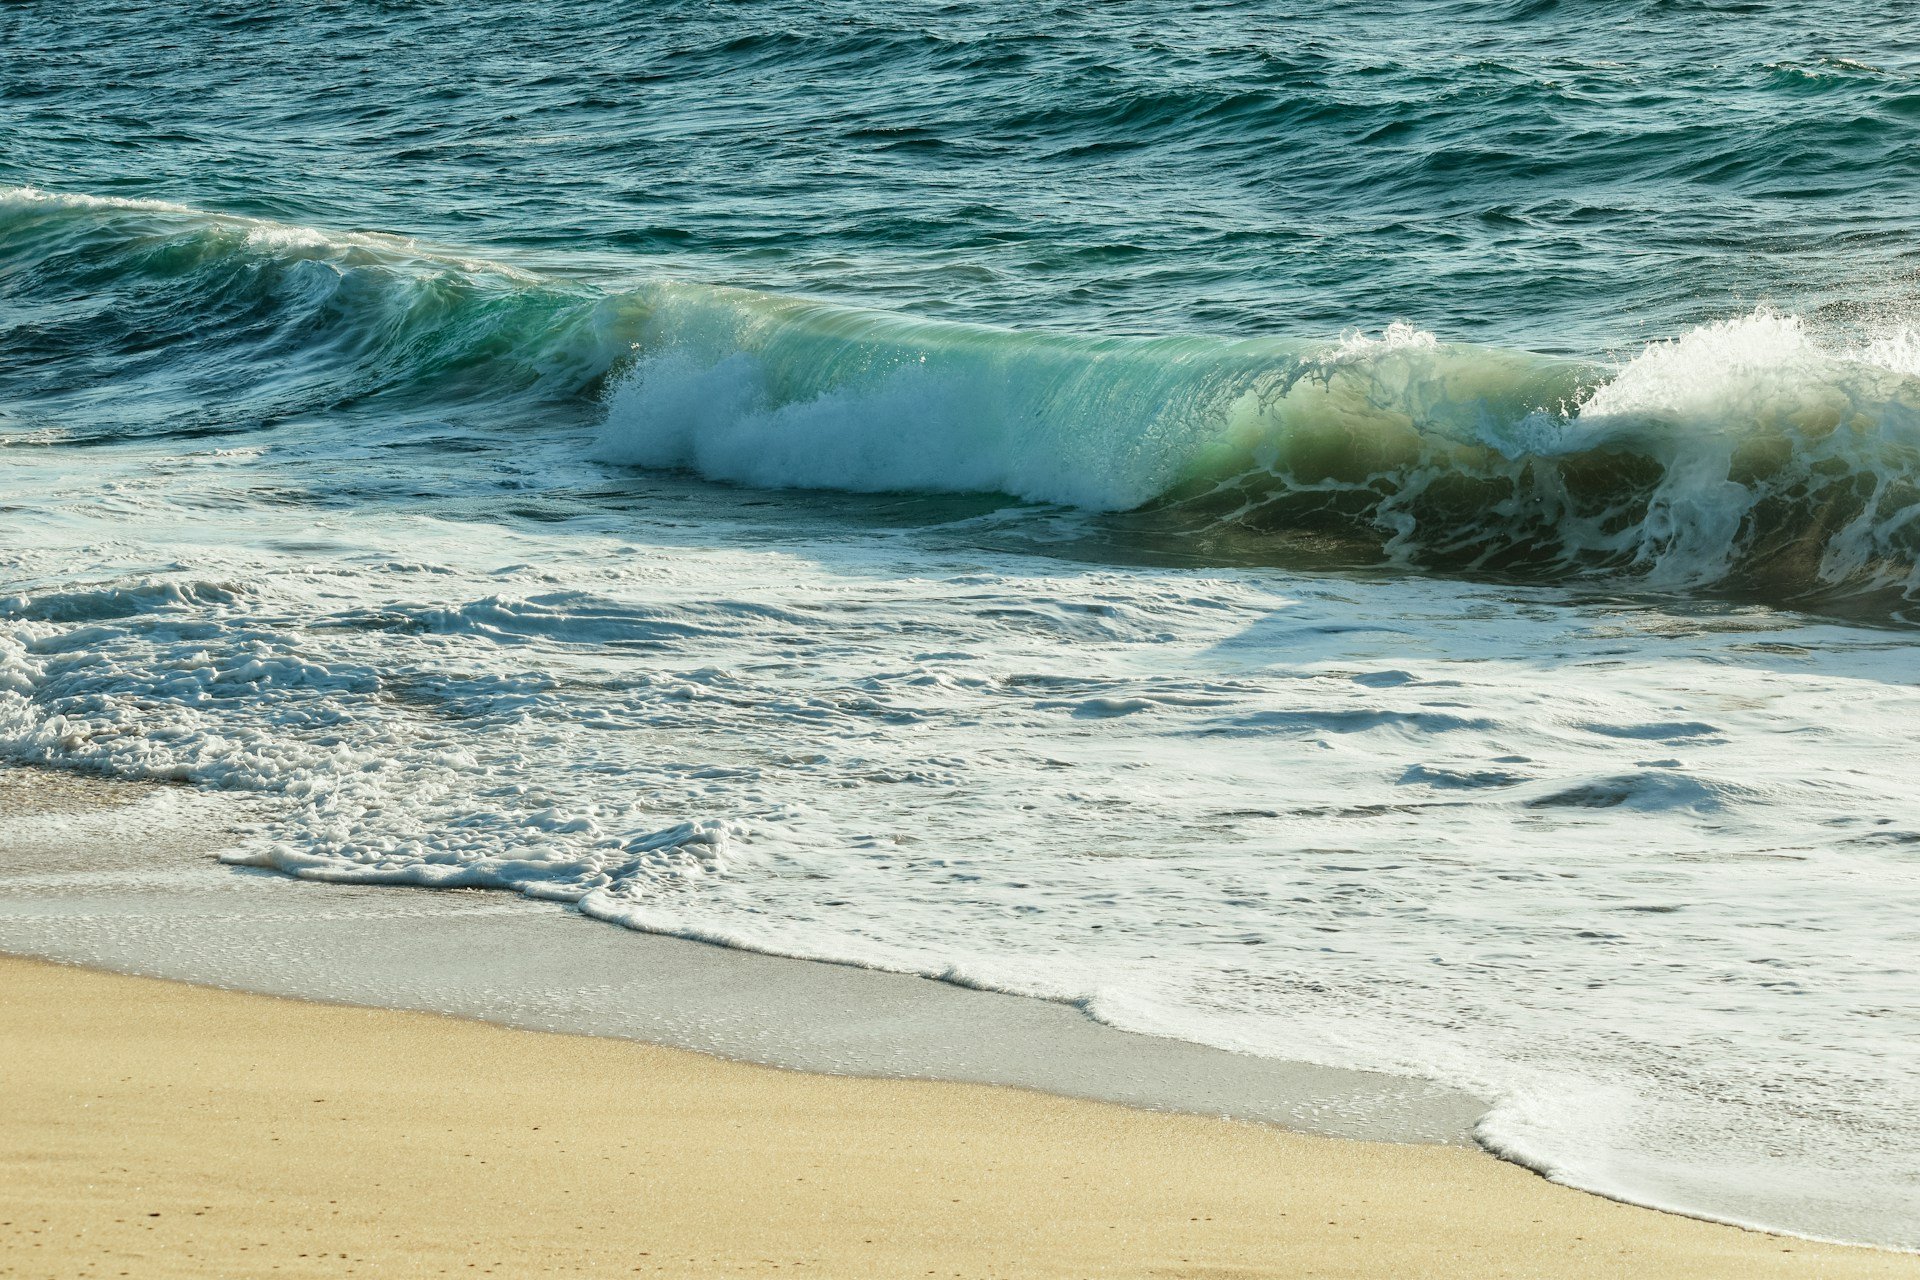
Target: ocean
{"type": "Point", "coordinates": [1386, 538]}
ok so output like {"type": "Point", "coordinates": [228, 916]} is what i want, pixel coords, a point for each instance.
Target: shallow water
{"type": "Point", "coordinates": [1388, 546]}
{"type": "Point", "coordinates": [120, 875]}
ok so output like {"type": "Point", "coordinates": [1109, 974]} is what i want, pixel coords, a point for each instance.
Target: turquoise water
{"type": "Point", "coordinates": [1383, 540]}
{"type": "Point", "coordinates": [1534, 200]}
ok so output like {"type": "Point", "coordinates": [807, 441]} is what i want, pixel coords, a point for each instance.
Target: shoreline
{"type": "Point", "coordinates": [168, 912]}
{"type": "Point", "coordinates": [168, 909]}
{"type": "Point", "coordinates": [186, 1131]}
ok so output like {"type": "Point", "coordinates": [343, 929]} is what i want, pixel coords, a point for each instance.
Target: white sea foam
{"type": "Point", "coordinates": [781, 394]}
{"type": "Point", "coordinates": [1744, 449]}
{"type": "Point", "coordinates": [1748, 453]}
{"type": "Point", "coordinates": [1635, 874]}
{"type": "Point", "coordinates": [264, 234]}
{"type": "Point", "coordinates": [29, 197]}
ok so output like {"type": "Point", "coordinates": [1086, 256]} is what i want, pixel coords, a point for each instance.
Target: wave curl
{"type": "Point", "coordinates": [1748, 454]}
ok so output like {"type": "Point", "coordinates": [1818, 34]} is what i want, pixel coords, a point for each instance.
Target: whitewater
{"type": "Point", "coordinates": [1578, 844]}
{"type": "Point", "coordinates": [1392, 546]}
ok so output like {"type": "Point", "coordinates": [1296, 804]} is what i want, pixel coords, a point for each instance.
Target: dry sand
{"type": "Point", "coordinates": [153, 1129]}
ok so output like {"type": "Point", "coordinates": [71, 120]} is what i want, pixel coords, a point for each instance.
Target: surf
{"type": "Point", "coordinates": [1747, 454]}
{"type": "Point", "coordinates": [1751, 454]}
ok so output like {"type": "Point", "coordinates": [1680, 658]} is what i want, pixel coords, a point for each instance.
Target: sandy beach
{"type": "Point", "coordinates": [151, 1128]}
{"type": "Point", "coordinates": [959, 639]}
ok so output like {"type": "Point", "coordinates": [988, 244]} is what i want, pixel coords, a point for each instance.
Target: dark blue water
{"type": "Point", "coordinates": [1517, 198]}
{"type": "Point", "coordinates": [1564, 178]}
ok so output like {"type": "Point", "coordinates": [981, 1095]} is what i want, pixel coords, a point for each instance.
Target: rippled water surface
{"type": "Point", "coordinates": [1529, 173]}
{"type": "Point", "coordinates": [1389, 540]}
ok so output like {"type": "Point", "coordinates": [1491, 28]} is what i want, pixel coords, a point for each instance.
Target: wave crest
{"type": "Point", "coordinates": [1744, 454]}
{"type": "Point", "coordinates": [1747, 454]}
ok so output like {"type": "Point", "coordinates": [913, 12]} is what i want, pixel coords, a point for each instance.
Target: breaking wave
{"type": "Point", "coordinates": [1748, 454]}
{"type": "Point", "coordinates": [1744, 454]}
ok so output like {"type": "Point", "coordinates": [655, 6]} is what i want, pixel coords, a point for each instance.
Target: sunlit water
{"type": "Point", "coordinates": [1176, 513]}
